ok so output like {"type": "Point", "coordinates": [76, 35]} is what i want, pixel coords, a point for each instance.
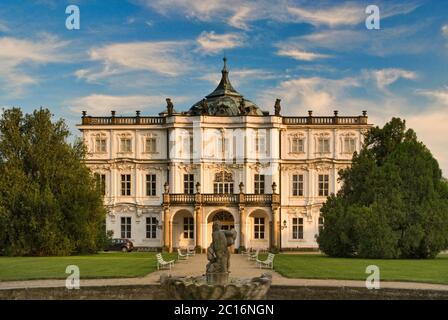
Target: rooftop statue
{"type": "Point", "coordinates": [277, 107]}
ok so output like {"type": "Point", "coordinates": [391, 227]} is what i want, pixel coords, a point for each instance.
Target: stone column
{"type": "Point", "coordinates": [166, 228]}
{"type": "Point", "coordinates": [243, 237]}
{"type": "Point", "coordinates": [275, 226]}
{"type": "Point", "coordinates": [198, 221]}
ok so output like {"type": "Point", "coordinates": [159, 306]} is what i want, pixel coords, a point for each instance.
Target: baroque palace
{"type": "Point", "coordinates": [166, 178]}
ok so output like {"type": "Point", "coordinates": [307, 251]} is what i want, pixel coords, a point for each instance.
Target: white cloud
{"type": "Point", "coordinates": [390, 41]}
{"type": "Point", "coordinates": [303, 55]}
{"type": "Point", "coordinates": [321, 95]}
{"type": "Point", "coordinates": [386, 77]}
{"type": "Point", "coordinates": [210, 42]}
{"type": "Point", "coordinates": [100, 104]}
{"type": "Point", "coordinates": [346, 14]}
{"type": "Point", "coordinates": [440, 96]}
{"type": "Point", "coordinates": [17, 56]}
{"type": "Point", "coordinates": [240, 76]}
{"type": "Point", "coordinates": [165, 58]}
{"type": "Point", "coordinates": [445, 30]}
{"type": "Point", "coordinates": [238, 20]}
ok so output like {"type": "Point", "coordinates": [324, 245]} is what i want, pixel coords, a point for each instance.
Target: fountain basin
{"type": "Point", "coordinates": [197, 288]}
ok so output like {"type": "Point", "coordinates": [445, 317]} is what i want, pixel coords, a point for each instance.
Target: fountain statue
{"type": "Point", "coordinates": [216, 284]}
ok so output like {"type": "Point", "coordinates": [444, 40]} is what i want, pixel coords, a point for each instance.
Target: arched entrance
{"type": "Point", "coordinates": [183, 229]}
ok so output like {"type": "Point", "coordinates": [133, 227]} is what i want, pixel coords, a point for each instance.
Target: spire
{"type": "Point", "coordinates": [224, 87]}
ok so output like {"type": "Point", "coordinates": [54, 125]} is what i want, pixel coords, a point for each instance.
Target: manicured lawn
{"type": "Point", "coordinates": [322, 267]}
{"type": "Point", "coordinates": [102, 265]}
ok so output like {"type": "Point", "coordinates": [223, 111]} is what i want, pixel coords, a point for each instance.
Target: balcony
{"type": "Point", "coordinates": [207, 199]}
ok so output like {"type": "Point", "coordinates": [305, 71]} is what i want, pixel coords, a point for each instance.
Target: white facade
{"type": "Point", "coordinates": [174, 174]}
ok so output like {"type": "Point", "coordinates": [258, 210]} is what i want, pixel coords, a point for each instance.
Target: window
{"type": "Point", "coordinates": [297, 145]}
{"type": "Point", "coordinates": [151, 228]}
{"type": "Point", "coordinates": [349, 145]}
{"type": "Point", "coordinates": [258, 228]}
{"type": "Point", "coordinates": [125, 184]}
{"type": "Point", "coordinates": [125, 145]}
{"type": "Point", "coordinates": [259, 184]}
{"type": "Point", "coordinates": [188, 183]}
{"type": "Point", "coordinates": [297, 185]}
{"type": "Point", "coordinates": [321, 224]}
{"type": "Point", "coordinates": [151, 145]}
{"type": "Point", "coordinates": [260, 144]}
{"type": "Point", "coordinates": [323, 145]}
{"type": "Point", "coordinates": [223, 182]}
{"type": "Point", "coordinates": [101, 182]}
{"type": "Point", "coordinates": [188, 228]}
{"type": "Point", "coordinates": [100, 145]}
{"type": "Point", "coordinates": [126, 227]}
{"type": "Point", "coordinates": [297, 228]}
{"type": "Point", "coordinates": [151, 185]}
{"type": "Point", "coordinates": [323, 185]}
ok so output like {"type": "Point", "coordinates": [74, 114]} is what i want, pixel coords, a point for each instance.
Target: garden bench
{"type": "Point", "coordinates": [268, 263]}
{"type": "Point", "coordinates": [253, 256]}
{"type": "Point", "coordinates": [162, 264]}
{"type": "Point", "coordinates": [181, 256]}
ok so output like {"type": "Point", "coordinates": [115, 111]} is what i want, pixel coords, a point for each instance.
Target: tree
{"type": "Point", "coordinates": [49, 202]}
{"type": "Point", "coordinates": [393, 202]}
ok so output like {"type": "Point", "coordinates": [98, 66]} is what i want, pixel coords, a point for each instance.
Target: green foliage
{"type": "Point", "coordinates": [393, 202]}
{"type": "Point", "coordinates": [49, 202]}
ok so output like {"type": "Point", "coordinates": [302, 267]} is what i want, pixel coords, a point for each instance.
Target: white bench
{"type": "Point", "coordinates": [268, 263]}
{"type": "Point", "coordinates": [181, 256]}
{"type": "Point", "coordinates": [191, 252]}
{"type": "Point", "coordinates": [253, 256]}
{"type": "Point", "coordinates": [162, 264]}
{"type": "Point", "coordinates": [246, 252]}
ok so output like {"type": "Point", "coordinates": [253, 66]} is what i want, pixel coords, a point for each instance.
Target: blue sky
{"type": "Point", "coordinates": [314, 55]}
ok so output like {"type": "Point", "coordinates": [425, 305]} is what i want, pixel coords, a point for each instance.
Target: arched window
{"type": "Point", "coordinates": [223, 182]}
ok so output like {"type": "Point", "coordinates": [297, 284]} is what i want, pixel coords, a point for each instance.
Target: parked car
{"type": "Point", "coordinates": [123, 245]}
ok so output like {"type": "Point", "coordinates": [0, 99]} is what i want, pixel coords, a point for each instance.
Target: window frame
{"type": "Point", "coordinates": [297, 145]}
{"type": "Point", "coordinates": [188, 183]}
{"type": "Point", "coordinates": [188, 228]}
{"type": "Point", "coordinates": [126, 185]}
{"type": "Point", "coordinates": [298, 182]}
{"type": "Point", "coordinates": [323, 145]}
{"type": "Point", "coordinates": [259, 183]}
{"type": "Point", "coordinates": [151, 184]}
{"type": "Point", "coordinates": [125, 147]}
{"type": "Point", "coordinates": [259, 228]}
{"type": "Point", "coordinates": [297, 228]}
{"type": "Point", "coordinates": [323, 187]}
{"type": "Point", "coordinates": [127, 232]}
{"type": "Point", "coordinates": [151, 228]}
